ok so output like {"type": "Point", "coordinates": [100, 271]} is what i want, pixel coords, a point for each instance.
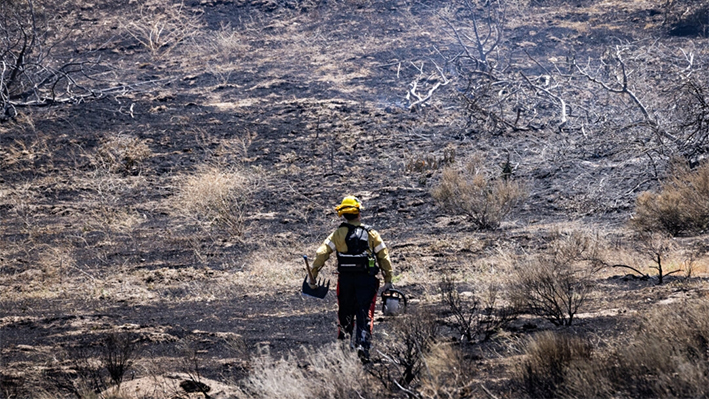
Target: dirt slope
{"type": "Point", "coordinates": [307, 100]}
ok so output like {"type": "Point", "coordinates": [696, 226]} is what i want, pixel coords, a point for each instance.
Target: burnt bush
{"type": "Point", "coordinates": [119, 351]}
{"type": "Point", "coordinates": [556, 284]}
{"type": "Point", "coordinates": [403, 359]}
{"type": "Point", "coordinates": [478, 316]}
{"type": "Point", "coordinates": [91, 369]}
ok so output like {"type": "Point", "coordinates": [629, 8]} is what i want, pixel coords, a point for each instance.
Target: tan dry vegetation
{"type": "Point", "coordinates": [160, 26]}
{"type": "Point", "coordinates": [328, 372]}
{"type": "Point", "coordinates": [680, 206]}
{"type": "Point", "coordinates": [477, 193]}
{"type": "Point", "coordinates": [214, 199]}
{"type": "Point", "coordinates": [187, 219]}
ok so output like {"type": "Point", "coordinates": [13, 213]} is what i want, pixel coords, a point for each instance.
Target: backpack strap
{"type": "Point", "coordinates": [366, 227]}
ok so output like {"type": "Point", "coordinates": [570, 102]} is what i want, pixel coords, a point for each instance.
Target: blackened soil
{"type": "Point", "coordinates": [315, 105]}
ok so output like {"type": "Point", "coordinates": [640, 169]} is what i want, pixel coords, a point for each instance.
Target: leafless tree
{"type": "Point", "coordinates": [483, 31]}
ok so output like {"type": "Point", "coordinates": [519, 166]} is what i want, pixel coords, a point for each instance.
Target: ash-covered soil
{"type": "Point", "coordinates": [308, 101]}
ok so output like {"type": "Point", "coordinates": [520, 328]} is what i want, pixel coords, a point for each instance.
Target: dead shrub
{"type": "Point", "coordinates": [661, 250]}
{"type": "Point", "coordinates": [548, 359]}
{"type": "Point", "coordinates": [681, 206]}
{"type": "Point", "coordinates": [119, 351]}
{"type": "Point", "coordinates": [556, 284]}
{"type": "Point", "coordinates": [473, 191]}
{"type": "Point", "coordinates": [476, 317]}
{"type": "Point", "coordinates": [123, 153]}
{"type": "Point", "coordinates": [691, 117]}
{"type": "Point", "coordinates": [410, 341]}
{"type": "Point", "coordinates": [215, 199]}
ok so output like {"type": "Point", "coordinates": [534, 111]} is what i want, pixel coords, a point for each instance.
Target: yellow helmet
{"type": "Point", "coordinates": [350, 205]}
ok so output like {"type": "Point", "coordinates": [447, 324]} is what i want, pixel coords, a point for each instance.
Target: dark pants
{"type": "Point", "coordinates": [356, 298]}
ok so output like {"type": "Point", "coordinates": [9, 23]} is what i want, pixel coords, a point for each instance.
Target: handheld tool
{"type": "Point", "coordinates": [318, 292]}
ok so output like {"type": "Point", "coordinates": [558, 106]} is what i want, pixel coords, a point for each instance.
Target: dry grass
{"type": "Point", "coordinates": [159, 27]}
{"type": "Point", "coordinates": [122, 153]}
{"type": "Point", "coordinates": [449, 373]}
{"type": "Point", "coordinates": [549, 357]}
{"type": "Point", "coordinates": [330, 372]}
{"type": "Point", "coordinates": [215, 52]}
{"type": "Point", "coordinates": [275, 267]}
{"type": "Point", "coordinates": [680, 207]}
{"type": "Point", "coordinates": [665, 358]}
{"type": "Point", "coordinates": [475, 192]}
{"type": "Point", "coordinates": [214, 199]}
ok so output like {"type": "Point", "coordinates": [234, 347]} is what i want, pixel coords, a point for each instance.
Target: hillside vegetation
{"type": "Point", "coordinates": [536, 168]}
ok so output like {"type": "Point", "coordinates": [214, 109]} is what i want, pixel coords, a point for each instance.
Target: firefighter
{"type": "Point", "coordinates": [361, 254]}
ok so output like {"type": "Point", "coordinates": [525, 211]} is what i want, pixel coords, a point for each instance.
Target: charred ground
{"type": "Point", "coordinates": [309, 102]}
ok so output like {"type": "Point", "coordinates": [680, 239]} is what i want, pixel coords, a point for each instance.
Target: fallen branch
{"type": "Point", "coordinates": [644, 275]}
{"type": "Point", "coordinates": [414, 86]}
{"type": "Point", "coordinates": [488, 392]}
{"type": "Point", "coordinates": [550, 94]}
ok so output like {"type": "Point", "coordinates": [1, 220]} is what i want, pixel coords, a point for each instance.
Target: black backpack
{"type": "Point", "coordinates": [359, 257]}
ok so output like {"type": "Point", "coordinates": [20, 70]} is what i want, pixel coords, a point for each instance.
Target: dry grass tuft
{"type": "Point", "coordinates": [216, 52]}
{"type": "Point", "coordinates": [449, 373]}
{"type": "Point", "coordinates": [549, 357]}
{"type": "Point", "coordinates": [215, 199]}
{"type": "Point", "coordinates": [475, 192]}
{"type": "Point", "coordinates": [666, 358]}
{"type": "Point", "coordinates": [160, 26]}
{"type": "Point", "coordinates": [330, 372]}
{"type": "Point", "coordinates": [269, 268]}
{"type": "Point", "coordinates": [123, 153]}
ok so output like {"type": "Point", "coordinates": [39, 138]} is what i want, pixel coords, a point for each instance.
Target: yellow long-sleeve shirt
{"type": "Point", "coordinates": [336, 242]}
